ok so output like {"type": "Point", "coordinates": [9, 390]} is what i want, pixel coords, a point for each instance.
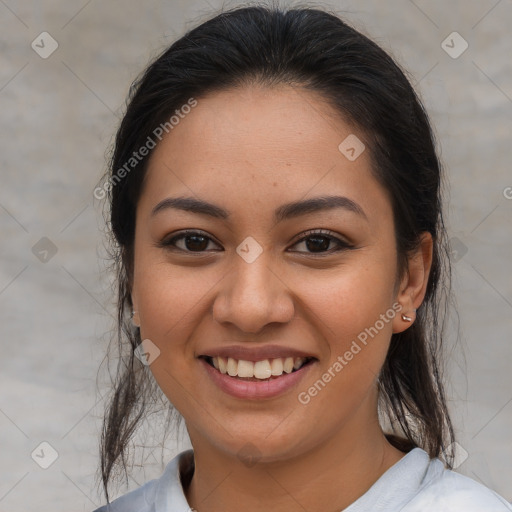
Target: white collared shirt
{"type": "Point", "coordinates": [414, 484]}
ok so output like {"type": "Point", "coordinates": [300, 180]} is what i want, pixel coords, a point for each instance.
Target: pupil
{"type": "Point", "coordinates": [317, 242]}
{"type": "Point", "coordinates": [196, 246]}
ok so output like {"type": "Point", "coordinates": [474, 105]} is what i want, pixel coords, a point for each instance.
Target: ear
{"type": "Point", "coordinates": [414, 283]}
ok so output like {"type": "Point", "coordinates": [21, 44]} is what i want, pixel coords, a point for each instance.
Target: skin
{"type": "Point", "coordinates": [249, 151]}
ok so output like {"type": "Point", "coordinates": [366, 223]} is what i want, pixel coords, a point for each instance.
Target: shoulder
{"type": "Point", "coordinates": [444, 490]}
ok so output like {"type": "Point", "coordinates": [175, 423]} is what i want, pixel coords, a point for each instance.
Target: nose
{"type": "Point", "coordinates": [253, 295]}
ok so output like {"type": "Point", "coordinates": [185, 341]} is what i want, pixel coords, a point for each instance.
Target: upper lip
{"type": "Point", "coordinates": [256, 353]}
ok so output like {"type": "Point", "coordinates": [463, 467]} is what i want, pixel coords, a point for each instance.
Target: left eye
{"type": "Point", "coordinates": [319, 241]}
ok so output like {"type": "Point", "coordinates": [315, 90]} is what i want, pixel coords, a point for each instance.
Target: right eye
{"type": "Point", "coordinates": [193, 242]}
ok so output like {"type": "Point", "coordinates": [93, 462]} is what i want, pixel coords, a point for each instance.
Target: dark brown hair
{"type": "Point", "coordinates": [317, 51]}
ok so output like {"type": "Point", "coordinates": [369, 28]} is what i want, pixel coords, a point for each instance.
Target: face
{"type": "Point", "coordinates": [259, 281]}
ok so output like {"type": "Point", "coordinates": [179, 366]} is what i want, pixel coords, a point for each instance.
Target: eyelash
{"type": "Point", "coordinates": [341, 244]}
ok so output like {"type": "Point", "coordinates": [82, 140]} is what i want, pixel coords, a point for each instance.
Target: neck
{"type": "Point", "coordinates": [353, 460]}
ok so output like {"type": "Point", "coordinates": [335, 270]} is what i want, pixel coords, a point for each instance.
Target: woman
{"type": "Point", "coordinates": [275, 200]}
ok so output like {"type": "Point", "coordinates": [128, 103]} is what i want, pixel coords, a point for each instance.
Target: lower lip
{"type": "Point", "coordinates": [252, 389]}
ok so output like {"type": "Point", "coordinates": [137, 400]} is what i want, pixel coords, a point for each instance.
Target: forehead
{"type": "Point", "coordinates": [261, 146]}
{"type": "Point", "coordinates": [255, 124]}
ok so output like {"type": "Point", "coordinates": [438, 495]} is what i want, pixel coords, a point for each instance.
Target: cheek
{"type": "Point", "coordinates": [356, 343]}
{"type": "Point", "coordinates": [350, 298]}
{"type": "Point", "coordinates": [352, 311]}
{"type": "Point", "coordinates": [171, 303]}
{"type": "Point", "coordinates": [169, 296]}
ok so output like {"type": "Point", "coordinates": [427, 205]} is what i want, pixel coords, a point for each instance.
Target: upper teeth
{"type": "Point", "coordinates": [259, 369]}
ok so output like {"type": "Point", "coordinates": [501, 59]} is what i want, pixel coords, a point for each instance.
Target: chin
{"type": "Point", "coordinates": [265, 446]}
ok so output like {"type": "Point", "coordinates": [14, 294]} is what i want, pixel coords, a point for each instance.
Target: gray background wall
{"type": "Point", "coordinates": [58, 116]}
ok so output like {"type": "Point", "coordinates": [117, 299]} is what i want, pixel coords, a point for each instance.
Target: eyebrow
{"type": "Point", "coordinates": [284, 212]}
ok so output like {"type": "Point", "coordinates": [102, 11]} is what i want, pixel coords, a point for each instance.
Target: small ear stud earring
{"type": "Point", "coordinates": [406, 318]}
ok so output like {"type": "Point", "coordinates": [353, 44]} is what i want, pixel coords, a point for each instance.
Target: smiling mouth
{"type": "Point", "coordinates": [255, 371]}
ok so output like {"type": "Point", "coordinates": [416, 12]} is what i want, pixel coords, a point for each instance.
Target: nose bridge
{"type": "Point", "coordinates": [252, 294]}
